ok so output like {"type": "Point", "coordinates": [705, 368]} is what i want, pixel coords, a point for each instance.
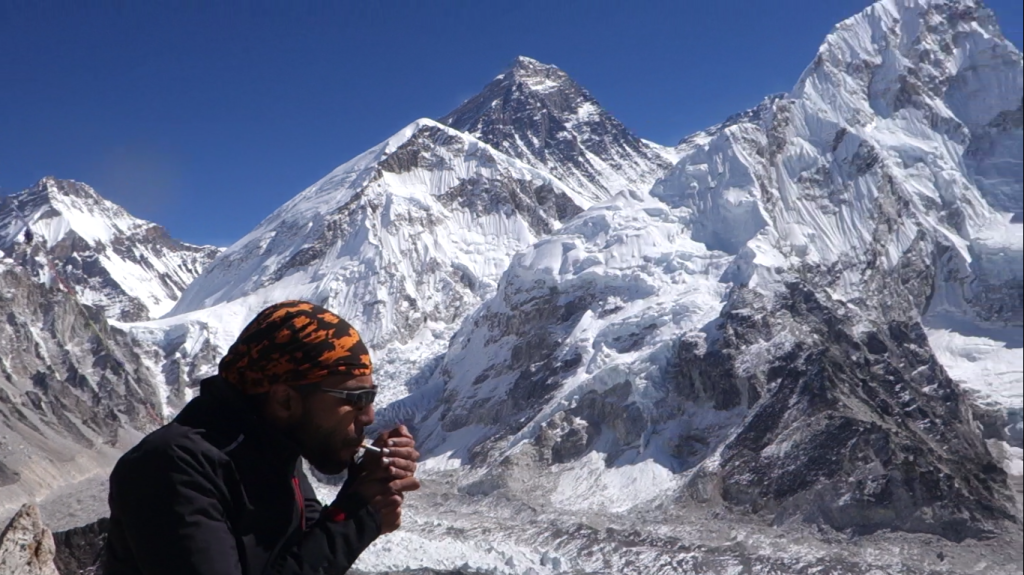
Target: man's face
{"type": "Point", "coordinates": [331, 429]}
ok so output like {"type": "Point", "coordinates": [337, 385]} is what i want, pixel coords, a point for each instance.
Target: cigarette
{"type": "Point", "coordinates": [371, 448]}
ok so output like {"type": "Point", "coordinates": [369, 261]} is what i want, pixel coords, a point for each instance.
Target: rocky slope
{"type": "Point", "coordinates": [73, 390]}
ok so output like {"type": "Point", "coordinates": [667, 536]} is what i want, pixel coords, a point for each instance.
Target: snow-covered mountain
{"type": "Point", "coordinates": [795, 350]}
{"type": "Point", "coordinates": [715, 337]}
{"type": "Point", "coordinates": [403, 241]}
{"type": "Point", "coordinates": [538, 114]}
{"type": "Point", "coordinates": [127, 267]}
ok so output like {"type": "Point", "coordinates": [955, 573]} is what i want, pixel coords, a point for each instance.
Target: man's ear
{"type": "Point", "coordinates": [283, 406]}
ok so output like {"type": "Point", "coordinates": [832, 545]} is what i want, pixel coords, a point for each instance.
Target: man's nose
{"type": "Point", "coordinates": [366, 416]}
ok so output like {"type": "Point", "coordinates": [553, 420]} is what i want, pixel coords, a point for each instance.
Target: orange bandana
{"type": "Point", "coordinates": [293, 343]}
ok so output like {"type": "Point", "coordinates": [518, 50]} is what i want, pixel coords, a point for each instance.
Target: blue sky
{"type": "Point", "coordinates": [206, 118]}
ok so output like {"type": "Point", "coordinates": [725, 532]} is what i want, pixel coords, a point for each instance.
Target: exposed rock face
{"type": "Point", "coordinates": [755, 115]}
{"type": "Point", "coordinates": [911, 458]}
{"type": "Point", "coordinates": [792, 376]}
{"type": "Point", "coordinates": [26, 546]}
{"type": "Point", "coordinates": [994, 158]}
{"type": "Point", "coordinates": [1015, 430]}
{"type": "Point", "coordinates": [80, 550]}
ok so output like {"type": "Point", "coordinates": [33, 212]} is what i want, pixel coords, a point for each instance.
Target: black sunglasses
{"type": "Point", "coordinates": [360, 399]}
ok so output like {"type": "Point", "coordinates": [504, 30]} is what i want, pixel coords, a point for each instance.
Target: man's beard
{"type": "Point", "coordinates": [324, 448]}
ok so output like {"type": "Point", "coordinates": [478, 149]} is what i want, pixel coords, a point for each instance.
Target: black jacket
{"type": "Point", "coordinates": [214, 492]}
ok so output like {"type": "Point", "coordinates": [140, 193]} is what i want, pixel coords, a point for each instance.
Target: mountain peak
{"type": "Point", "coordinates": [944, 60]}
{"type": "Point", "coordinates": [900, 54]}
{"type": "Point", "coordinates": [126, 266]}
{"type": "Point", "coordinates": [537, 76]}
{"type": "Point", "coordinates": [74, 206]}
{"type": "Point", "coordinates": [536, 113]}
{"type": "Point", "coordinates": [528, 62]}
{"type": "Point", "coordinates": [527, 65]}
{"type": "Point", "coordinates": [52, 189]}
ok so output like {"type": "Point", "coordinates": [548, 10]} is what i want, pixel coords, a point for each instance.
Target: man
{"type": "Point", "coordinates": [220, 490]}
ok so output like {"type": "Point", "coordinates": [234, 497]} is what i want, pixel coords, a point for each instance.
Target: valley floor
{"type": "Point", "coordinates": [449, 532]}
{"type": "Point", "coordinates": [71, 505]}
{"type": "Point", "coordinates": [452, 533]}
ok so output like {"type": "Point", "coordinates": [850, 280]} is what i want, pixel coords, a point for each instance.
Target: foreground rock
{"type": "Point", "coordinates": [26, 546]}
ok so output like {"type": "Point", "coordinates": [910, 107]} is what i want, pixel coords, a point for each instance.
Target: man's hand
{"type": "Point", "coordinates": [381, 497]}
{"type": "Point", "coordinates": [384, 479]}
{"type": "Point", "coordinates": [399, 455]}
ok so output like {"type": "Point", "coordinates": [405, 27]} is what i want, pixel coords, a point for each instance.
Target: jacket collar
{"type": "Point", "coordinates": [229, 405]}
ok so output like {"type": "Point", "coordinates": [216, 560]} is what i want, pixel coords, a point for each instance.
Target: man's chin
{"type": "Point", "coordinates": [330, 468]}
